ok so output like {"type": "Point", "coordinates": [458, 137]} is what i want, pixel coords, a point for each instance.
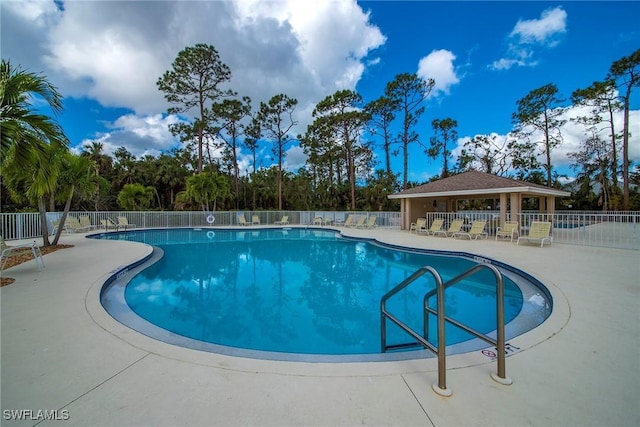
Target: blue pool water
{"type": "Point", "coordinates": [299, 290]}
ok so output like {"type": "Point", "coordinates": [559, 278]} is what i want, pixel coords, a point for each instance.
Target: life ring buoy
{"type": "Point", "coordinates": [211, 219]}
{"type": "Point", "coordinates": [211, 234]}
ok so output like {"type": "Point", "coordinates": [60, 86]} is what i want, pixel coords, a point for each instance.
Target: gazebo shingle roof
{"type": "Point", "coordinates": [474, 182]}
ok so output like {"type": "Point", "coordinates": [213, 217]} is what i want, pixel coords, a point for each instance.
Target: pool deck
{"type": "Point", "coordinates": [61, 351]}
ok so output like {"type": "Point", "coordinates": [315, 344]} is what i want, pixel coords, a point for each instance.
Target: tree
{"type": "Point", "coordinates": [103, 168]}
{"type": "Point", "coordinates": [593, 163]}
{"type": "Point", "coordinates": [253, 133]}
{"type": "Point", "coordinates": [206, 188]}
{"type": "Point", "coordinates": [381, 113]}
{"type": "Point", "coordinates": [486, 153]}
{"type": "Point", "coordinates": [30, 141]}
{"type": "Point", "coordinates": [408, 91]}
{"type": "Point", "coordinates": [77, 178]}
{"type": "Point", "coordinates": [602, 98]}
{"type": "Point", "coordinates": [135, 197]}
{"type": "Point", "coordinates": [339, 114]}
{"type": "Point", "coordinates": [276, 120]}
{"type": "Point", "coordinates": [626, 73]}
{"type": "Point", "coordinates": [538, 112]}
{"type": "Point", "coordinates": [445, 129]}
{"type": "Point", "coordinates": [23, 132]}
{"type": "Point", "coordinates": [35, 181]}
{"type": "Point", "coordinates": [194, 81]}
{"type": "Point", "coordinates": [230, 113]}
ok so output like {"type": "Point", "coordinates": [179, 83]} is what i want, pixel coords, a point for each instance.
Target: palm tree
{"type": "Point", "coordinates": [30, 141]}
{"type": "Point", "coordinates": [77, 178]}
{"type": "Point", "coordinates": [136, 197]}
{"type": "Point", "coordinates": [207, 187]}
{"type": "Point", "coordinates": [23, 132]}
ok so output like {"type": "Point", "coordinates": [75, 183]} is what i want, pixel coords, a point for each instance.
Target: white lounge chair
{"type": "Point", "coordinates": [369, 223]}
{"type": "Point", "coordinates": [509, 229]}
{"type": "Point", "coordinates": [455, 227]}
{"type": "Point", "coordinates": [7, 252]}
{"type": "Point", "coordinates": [283, 221]}
{"type": "Point", "coordinates": [476, 230]}
{"type": "Point", "coordinates": [539, 231]}
{"type": "Point", "coordinates": [123, 222]}
{"type": "Point", "coordinates": [419, 226]}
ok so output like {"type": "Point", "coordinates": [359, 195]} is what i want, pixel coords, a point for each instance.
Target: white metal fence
{"type": "Point", "coordinates": [613, 229]}
{"type": "Point", "coordinates": [27, 225]}
{"type": "Point", "coordinates": [588, 228]}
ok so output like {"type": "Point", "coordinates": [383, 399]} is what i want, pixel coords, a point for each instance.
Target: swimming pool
{"type": "Point", "coordinates": [301, 294]}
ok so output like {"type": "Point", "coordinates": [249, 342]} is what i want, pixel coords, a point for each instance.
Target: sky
{"type": "Point", "coordinates": [106, 56]}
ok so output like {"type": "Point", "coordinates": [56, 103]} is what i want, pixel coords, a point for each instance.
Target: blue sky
{"type": "Point", "coordinates": [105, 57]}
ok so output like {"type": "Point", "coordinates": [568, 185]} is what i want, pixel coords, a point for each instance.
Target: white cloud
{"type": "Point", "coordinates": [114, 52]}
{"type": "Point", "coordinates": [572, 136]}
{"type": "Point", "coordinates": [551, 23]}
{"type": "Point", "coordinates": [530, 35]}
{"type": "Point", "coordinates": [140, 135]}
{"type": "Point", "coordinates": [438, 65]}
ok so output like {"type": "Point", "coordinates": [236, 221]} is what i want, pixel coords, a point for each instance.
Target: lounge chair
{"type": "Point", "coordinates": [349, 221]}
{"type": "Point", "coordinates": [455, 227]}
{"type": "Point", "coordinates": [255, 220]}
{"type": "Point", "coordinates": [436, 226]}
{"type": "Point", "coordinates": [123, 222]}
{"type": "Point", "coordinates": [317, 220]}
{"type": "Point", "coordinates": [361, 222]}
{"type": "Point", "coordinates": [539, 231]}
{"type": "Point", "coordinates": [56, 224]}
{"type": "Point", "coordinates": [107, 224]}
{"type": "Point", "coordinates": [72, 223]}
{"type": "Point", "coordinates": [85, 222]}
{"type": "Point", "coordinates": [242, 220]}
{"type": "Point", "coordinates": [7, 252]}
{"type": "Point", "coordinates": [283, 221]}
{"type": "Point", "coordinates": [370, 223]}
{"type": "Point", "coordinates": [509, 229]}
{"type": "Point", "coordinates": [476, 230]}
{"type": "Point", "coordinates": [419, 226]}
{"type": "Point", "coordinates": [327, 220]}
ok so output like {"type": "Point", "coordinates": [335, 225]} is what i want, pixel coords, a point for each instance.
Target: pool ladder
{"type": "Point", "coordinates": [441, 387]}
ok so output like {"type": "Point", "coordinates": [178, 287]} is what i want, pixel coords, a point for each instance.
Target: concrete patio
{"type": "Point", "coordinates": [61, 351]}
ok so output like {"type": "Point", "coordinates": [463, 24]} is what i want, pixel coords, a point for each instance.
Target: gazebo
{"type": "Point", "coordinates": [443, 195]}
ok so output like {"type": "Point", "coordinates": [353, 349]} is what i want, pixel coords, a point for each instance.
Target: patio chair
{"type": "Point", "coordinates": [370, 223]}
{"type": "Point", "coordinates": [476, 230]}
{"type": "Point", "coordinates": [56, 224]}
{"type": "Point", "coordinates": [7, 252]}
{"type": "Point", "coordinates": [436, 226]}
{"type": "Point", "coordinates": [242, 220]}
{"type": "Point", "coordinates": [509, 229]}
{"type": "Point", "coordinates": [107, 224]}
{"type": "Point", "coordinates": [327, 220]}
{"type": "Point", "coordinates": [455, 227]}
{"type": "Point", "coordinates": [85, 221]}
{"type": "Point", "coordinates": [349, 221]}
{"type": "Point", "coordinates": [419, 226]}
{"type": "Point", "coordinates": [317, 220]}
{"type": "Point", "coordinates": [73, 224]}
{"type": "Point", "coordinates": [361, 221]}
{"type": "Point", "coordinates": [255, 220]}
{"type": "Point", "coordinates": [124, 223]}
{"type": "Point", "coordinates": [539, 231]}
{"type": "Point", "coordinates": [283, 221]}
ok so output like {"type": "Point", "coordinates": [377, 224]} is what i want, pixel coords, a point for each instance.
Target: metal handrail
{"type": "Point", "coordinates": [440, 349]}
